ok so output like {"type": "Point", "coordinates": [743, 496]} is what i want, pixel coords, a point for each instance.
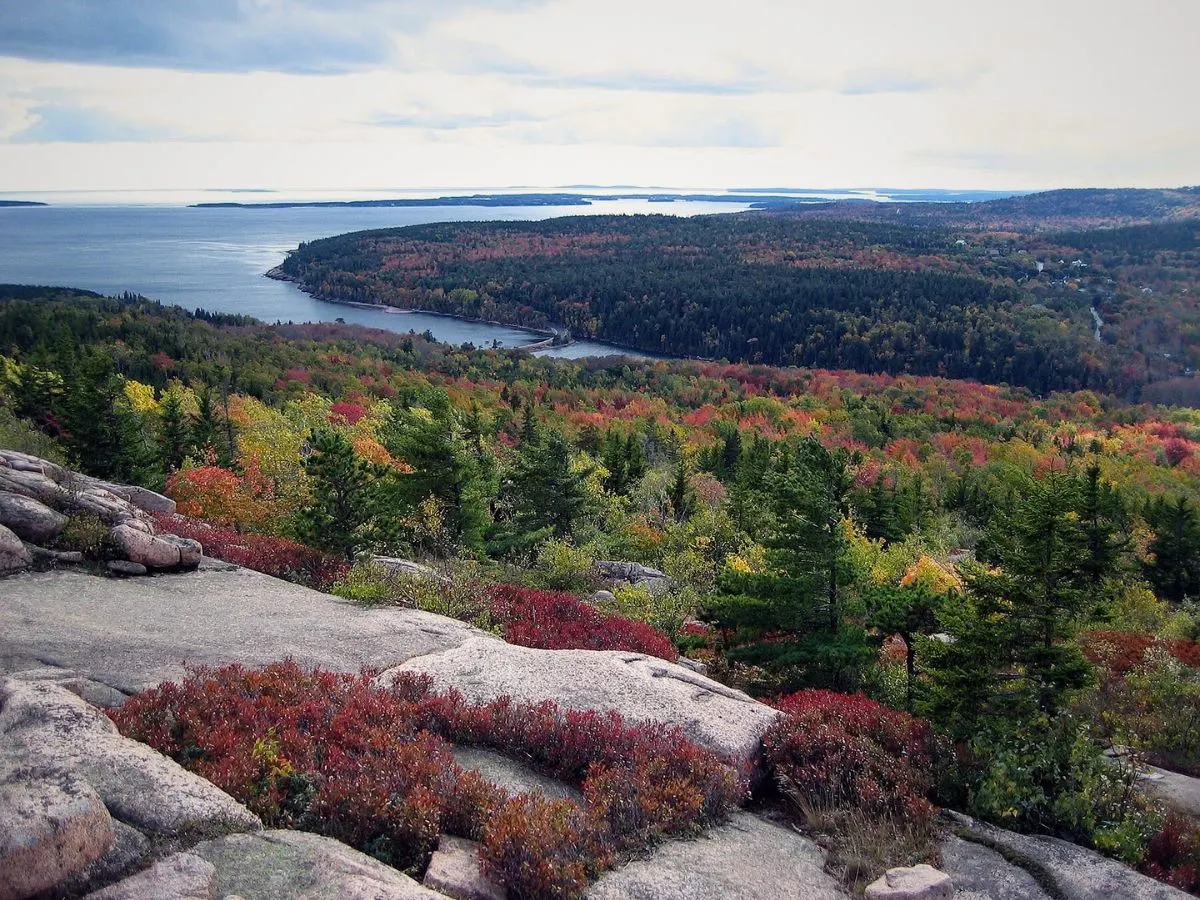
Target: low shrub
{"type": "Point", "coordinates": [846, 751]}
{"type": "Point", "coordinates": [336, 755]}
{"type": "Point", "coordinates": [1117, 652]}
{"type": "Point", "coordinates": [1049, 777]}
{"type": "Point", "coordinates": [1173, 855]}
{"type": "Point", "coordinates": [86, 533]}
{"type": "Point", "coordinates": [275, 556]}
{"type": "Point", "coordinates": [1148, 697]}
{"type": "Point", "coordinates": [553, 621]}
{"type": "Point", "coordinates": [860, 775]}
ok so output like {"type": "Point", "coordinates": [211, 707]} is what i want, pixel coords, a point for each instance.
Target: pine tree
{"type": "Point", "coordinates": [799, 600]}
{"type": "Point", "coordinates": [1174, 570]}
{"type": "Point", "coordinates": [445, 467]}
{"type": "Point", "coordinates": [343, 497]}
{"type": "Point", "coordinates": [1013, 654]}
{"type": "Point", "coordinates": [544, 491]}
{"type": "Point", "coordinates": [683, 498]}
{"type": "Point", "coordinates": [174, 433]}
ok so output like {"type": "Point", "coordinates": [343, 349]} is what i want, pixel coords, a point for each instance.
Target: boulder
{"type": "Point", "coordinates": [142, 498]}
{"type": "Point", "coordinates": [24, 462]}
{"type": "Point", "coordinates": [129, 853]}
{"type": "Point", "coordinates": [455, 871]}
{"type": "Point", "coordinates": [44, 722]}
{"type": "Point", "coordinates": [52, 825]}
{"type": "Point", "coordinates": [919, 882]}
{"type": "Point", "coordinates": [55, 557]}
{"type": "Point", "coordinates": [511, 775]}
{"type": "Point", "coordinates": [13, 555]}
{"type": "Point", "coordinates": [620, 570]}
{"type": "Point", "coordinates": [407, 567]}
{"type": "Point", "coordinates": [181, 876]}
{"type": "Point", "coordinates": [639, 687]}
{"type": "Point", "coordinates": [693, 665]}
{"type": "Point", "coordinates": [747, 859]}
{"type": "Point", "coordinates": [1076, 872]}
{"type": "Point", "coordinates": [1180, 792]}
{"type": "Point", "coordinates": [303, 866]}
{"type": "Point", "coordinates": [125, 567]}
{"type": "Point", "coordinates": [980, 873]}
{"type": "Point", "coordinates": [164, 551]}
{"type": "Point", "coordinates": [30, 519]}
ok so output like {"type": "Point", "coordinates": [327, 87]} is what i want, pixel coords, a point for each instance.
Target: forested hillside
{"type": "Point", "coordinates": [811, 529]}
{"type": "Point", "coordinates": [800, 288]}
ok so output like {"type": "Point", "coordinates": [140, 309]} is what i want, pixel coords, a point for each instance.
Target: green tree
{"type": "Point", "coordinates": [344, 496]}
{"type": "Point", "coordinates": [1012, 655]}
{"type": "Point", "coordinates": [174, 432]}
{"type": "Point", "coordinates": [444, 464]}
{"type": "Point", "coordinates": [1174, 567]}
{"type": "Point", "coordinates": [102, 431]}
{"type": "Point", "coordinates": [909, 611]}
{"type": "Point", "coordinates": [792, 617]}
{"type": "Point", "coordinates": [543, 492]}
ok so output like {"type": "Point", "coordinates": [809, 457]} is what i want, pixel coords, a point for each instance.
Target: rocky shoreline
{"type": "Point", "coordinates": [550, 334]}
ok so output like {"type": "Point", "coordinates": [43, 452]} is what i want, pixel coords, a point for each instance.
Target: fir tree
{"type": "Point", "coordinates": [343, 498]}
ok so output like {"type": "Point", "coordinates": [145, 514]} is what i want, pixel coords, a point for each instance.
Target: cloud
{"type": "Point", "coordinates": [298, 36]}
{"type": "Point", "coordinates": [73, 124]}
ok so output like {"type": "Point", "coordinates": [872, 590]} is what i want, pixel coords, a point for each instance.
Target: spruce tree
{"type": "Point", "coordinates": [174, 433]}
{"type": "Point", "coordinates": [343, 501]}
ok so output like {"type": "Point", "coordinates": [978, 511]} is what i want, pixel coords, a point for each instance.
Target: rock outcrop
{"type": "Point", "coordinates": [80, 804]}
{"type": "Point", "coordinates": [133, 634]}
{"type": "Point", "coordinates": [302, 866]}
{"type": "Point", "coordinates": [38, 497]}
{"type": "Point", "coordinates": [1063, 870]}
{"type": "Point", "coordinates": [639, 687]}
{"type": "Point", "coordinates": [747, 859]}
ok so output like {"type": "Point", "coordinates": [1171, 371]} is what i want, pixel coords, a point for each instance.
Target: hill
{"type": "Point", "coordinates": [958, 299]}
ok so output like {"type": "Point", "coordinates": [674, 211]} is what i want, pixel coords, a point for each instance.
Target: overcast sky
{"type": "Point", "coordinates": [340, 94]}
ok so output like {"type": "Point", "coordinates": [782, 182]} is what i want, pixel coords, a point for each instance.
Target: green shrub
{"type": "Point", "coordinates": [665, 612]}
{"type": "Point", "coordinates": [1051, 778]}
{"type": "Point", "coordinates": [451, 591]}
{"type": "Point", "coordinates": [561, 566]}
{"type": "Point", "coordinates": [86, 533]}
{"type": "Point", "coordinates": [17, 434]}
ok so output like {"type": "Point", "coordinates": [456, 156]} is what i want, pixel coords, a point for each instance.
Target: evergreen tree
{"type": "Point", "coordinates": [445, 467]}
{"type": "Point", "coordinates": [1174, 569]}
{"type": "Point", "coordinates": [174, 433]}
{"type": "Point", "coordinates": [101, 429]}
{"type": "Point", "coordinates": [799, 600]}
{"type": "Point", "coordinates": [1104, 525]}
{"type": "Point", "coordinates": [909, 611]}
{"type": "Point", "coordinates": [344, 499]}
{"type": "Point", "coordinates": [1013, 655]}
{"type": "Point", "coordinates": [545, 494]}
{"type": "Point", "coordinates": [683, 498]}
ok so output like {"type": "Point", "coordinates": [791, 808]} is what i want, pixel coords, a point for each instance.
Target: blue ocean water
{"type": "Point", "coordinates": [215, 259]}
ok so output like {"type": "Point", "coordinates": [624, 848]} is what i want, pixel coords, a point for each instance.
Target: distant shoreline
{"type": "Point", "coordinates": [546, 343]}
{"type": "Point", "coordinates": [763, 201]}
{"type": "Point", "coordinates": [18, 203]}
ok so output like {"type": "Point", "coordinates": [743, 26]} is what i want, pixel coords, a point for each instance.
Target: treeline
{"type": "Point", "coordinates": [721, 287]}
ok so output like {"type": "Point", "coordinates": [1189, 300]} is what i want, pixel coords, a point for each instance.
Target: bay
{"type": "Point", "coordinates": [216, 259]}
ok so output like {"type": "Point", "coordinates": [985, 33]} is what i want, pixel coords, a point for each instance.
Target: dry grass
{"type": "Point", "coordinates": [860, 847]}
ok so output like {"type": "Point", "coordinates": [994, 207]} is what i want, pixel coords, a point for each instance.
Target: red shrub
{"type": "Point", "coordinates": [275, 556]}
{"type": "Point", "coordinates": [1173, 855]}
{"type": "Point", "coordinates": [554, 621]}
{"type": "Point", "coordinates": [334, 754]}
{"type": "Point", "coordinates": [1120, 651]}
{"type": "Point", "coordinates": [845, 751]}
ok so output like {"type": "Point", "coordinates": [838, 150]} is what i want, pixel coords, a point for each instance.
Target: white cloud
{"type": "Point", "coordinates": [859, 92]}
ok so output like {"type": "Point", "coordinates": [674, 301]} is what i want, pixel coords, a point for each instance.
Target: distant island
{"type": "Point", "coordinates": [538, 199]}
{"type": "Point", "coordinates": [7, 203]}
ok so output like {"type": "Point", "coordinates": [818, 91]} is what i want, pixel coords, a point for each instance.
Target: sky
{"type": "Point", "coordinates": [377, 94]}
